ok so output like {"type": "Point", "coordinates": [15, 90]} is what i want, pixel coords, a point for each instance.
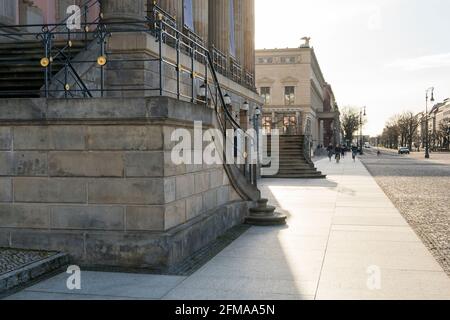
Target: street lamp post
{"type": "Point", "coordinates": [256, 116]}
{"type": "Point", "coordinates": [361, 114]}
{"type": "Point", "coordinates": [427, 137]}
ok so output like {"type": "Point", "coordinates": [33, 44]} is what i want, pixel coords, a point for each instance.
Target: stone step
{"type": "Point", "coordinates": [294, 165]}
{"type": "Point", "coordinates": [299, 173]}
{"type": "Point", "coordinates": [276, 219]}
{"type": "Point", "coordinates": [27, 45]}
{"type": "Point", "coordinates": [21, 74]}
{"type": "Point", "coordinates": [267, 210]}
{"type": "Point", "coordinates": [293, 143]}
{"type": "Point", "coordinates": [296, 176]}
{"type": "Point", "coordinates": [297, 168]}
{"type": "Point", "coordinates": [11, 84]}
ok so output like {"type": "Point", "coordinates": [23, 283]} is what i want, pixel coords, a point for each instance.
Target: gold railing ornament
{"type": "Point", "coordinates": [45, 62]}
{"type": "Point", "coordinates": [101, 61]}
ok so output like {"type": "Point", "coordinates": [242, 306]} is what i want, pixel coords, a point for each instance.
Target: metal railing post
{"type": "Point", "coordinates": [206, 83]}
{"type": "Point", "coordinates": [86, 8]}
{"type": "Point", "coordinates": [160, 58]}
{"type": "Point", "coordinates": [177, 45]}
{"type": "Point", "coordinates": [47, 56]}
{"type": "Point", "coordinates": [193, 50]}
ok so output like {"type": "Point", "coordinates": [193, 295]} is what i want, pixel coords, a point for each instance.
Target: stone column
{"type": "Point", "coordinates": [219, 30]}
{"type": "Point", "coordinates": [249, 36]}
{"type": "Point", "coordinates": [201, 19]}
{"type": "Point", "coordinates": [124, 10]}
{"type": "Point", "coordinates": [29, 13]}
{"type": "Point", "coordinates": [175, 9]}
{"type": "Point", "coordinates": [61, 8]}
{"type": "Point", "coordinates": [240, 16]}
{"type": "Point", "coordinates": [127, 76]}
{"type": "Point", "coordinates": [8, 12]}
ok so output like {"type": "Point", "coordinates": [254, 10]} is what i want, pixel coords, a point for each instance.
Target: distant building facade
{"type": "Point", "coordinates": [297, 99]}
{"type": "Point", "coordinates": [438, 127]}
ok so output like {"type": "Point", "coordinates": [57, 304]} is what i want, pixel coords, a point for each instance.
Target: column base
{"type": "Point", "coordinates": [264, 215]}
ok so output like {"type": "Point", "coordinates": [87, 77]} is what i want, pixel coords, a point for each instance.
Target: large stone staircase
{"type": "Point", "coordinates": [292, 161]}
{"type": "Point", "coordinates": [21, 75]}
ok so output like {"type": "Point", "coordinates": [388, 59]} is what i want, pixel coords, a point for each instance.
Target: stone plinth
{"type": "Point", "coordinates": [94, 178]}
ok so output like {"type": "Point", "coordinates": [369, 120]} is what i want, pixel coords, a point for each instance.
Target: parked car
{"type": "Point", "coordinates": [403, 150]}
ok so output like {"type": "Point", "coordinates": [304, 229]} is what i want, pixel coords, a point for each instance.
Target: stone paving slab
{"type": "Point", "coordinates": [95, 285]}
{"type": "Point", "coordinates": [343, 236]}
{"type": "Point", "coordinates": [417, 188]}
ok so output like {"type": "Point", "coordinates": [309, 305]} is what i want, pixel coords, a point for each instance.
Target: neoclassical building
{"type": "Point", "coordinates": [297, 99]}
{"type": "Point", "coordinates": [86, 163]}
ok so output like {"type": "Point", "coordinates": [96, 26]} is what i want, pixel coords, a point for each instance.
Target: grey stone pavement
{"type": "Point", "coordinates": [419, 189]}
{"type": "Point", "coordinates": [344, 240]}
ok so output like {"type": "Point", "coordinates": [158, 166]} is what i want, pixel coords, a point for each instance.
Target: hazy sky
{"type": "Point", "coordinates": [382, 54]}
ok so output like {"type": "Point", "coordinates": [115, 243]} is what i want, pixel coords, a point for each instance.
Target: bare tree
{"type": "Point", "coordinates": [391, 134]}
{"type": "Point", "coordinates": [408, 124]}
{"type": "Point", "coordinates": [350, 119]}
{"type": "Point", "coordinates": [401, 129]}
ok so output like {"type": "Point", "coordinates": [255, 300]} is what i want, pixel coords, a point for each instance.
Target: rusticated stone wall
{"type": "Point", "coordinates": [94, 178]}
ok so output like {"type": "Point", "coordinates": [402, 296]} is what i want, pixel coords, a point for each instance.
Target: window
{"type": "Point", "coordinates": [289, 95]}
{"type": "Point", "coordinates": [267, 124]}
{"type": "Point", "coordinates": [287, 59]}
{"type": "Point", "coordinates": [289, 124]}
{"type": "Point", "coordinates": [265, 60]}
{"type": "Point", "coordinates": [265, 94]}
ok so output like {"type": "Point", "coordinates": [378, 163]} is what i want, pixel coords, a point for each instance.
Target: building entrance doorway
{"type": "Point", "coordinates": [287, 124]}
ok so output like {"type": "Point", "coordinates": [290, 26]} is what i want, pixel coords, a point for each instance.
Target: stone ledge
{"type": "Point", "coordinates": [41, 110]}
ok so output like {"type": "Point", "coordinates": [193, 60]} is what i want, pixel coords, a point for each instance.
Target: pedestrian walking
{"type": "Point", "coordinates": [338, 152]}
{"type": "Point", "coordinates": [354, 153]}
{"type": "Point", "coordinates": [330, 151]}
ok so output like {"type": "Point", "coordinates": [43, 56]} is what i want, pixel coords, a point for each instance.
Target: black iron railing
{"type": "Point", "coordinates": [307, 147]}
{"type": "Point", "coordinates": [60, 66]}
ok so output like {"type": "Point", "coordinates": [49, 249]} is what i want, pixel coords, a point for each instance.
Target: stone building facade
{"type": "Point", "coordinates": [298, 100]}
{"type": "Point", "coordinates": [93, 177]}
{"type": "Point", "coordinates": [438, 121]}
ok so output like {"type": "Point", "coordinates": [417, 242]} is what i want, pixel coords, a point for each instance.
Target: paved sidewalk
{"type": "Point", "coordinates": [344, 240]}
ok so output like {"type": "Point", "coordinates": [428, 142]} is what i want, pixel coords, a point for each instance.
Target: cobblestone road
{"type": "Point", "coordinates": [14, 259]}
{"type": "Point", "coordinates": [420, 190]}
